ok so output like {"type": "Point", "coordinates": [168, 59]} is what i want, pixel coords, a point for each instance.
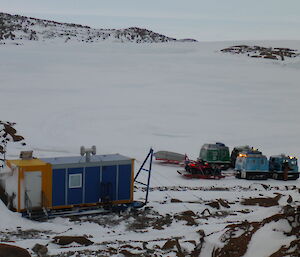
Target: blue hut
{"type": "Point", "coordinates": [59, 183]}
{"type": "Point", "coordinates": [101, 179]}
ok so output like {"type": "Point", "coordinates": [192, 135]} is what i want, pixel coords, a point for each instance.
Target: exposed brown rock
{"type": "Point", "coordinates": [262, 201]}
{"type": "Point", "coordinates": [40, 250]}
{"type": "Point", "coordinates": [65, 240]}
{"type": "Point", "coordinates": [238, 236]}
{"type": "Point", "coordinates": [126, 253]}
{"type": "Point", "coordinates": [214, 204]}
{"type": "Point", "coordinates": [188, 216]}
{"type": "Point", "coordinates": [169, 244]}
{"type": "Point", "coordinates": [174, 200]}
{"type": "Point", "coordinates": [13, 251]}
{"type": "Point", "coordinates": [224, 203]}
{"type": "Point", "coordinates": [290, 199]}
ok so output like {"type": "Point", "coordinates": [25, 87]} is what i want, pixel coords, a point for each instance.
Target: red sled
{"type": "Point", "coordinates": [199, 176]}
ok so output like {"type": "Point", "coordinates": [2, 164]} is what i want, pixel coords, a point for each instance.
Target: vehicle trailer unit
{"type": "Point", "coordinates": [215, 154]}
{"type": "Point", "coordinates": [67, 182]}
{"type": "Point", "coordinates": [283, 167]}
{"type": "Point", "coordinates": [252, 165]}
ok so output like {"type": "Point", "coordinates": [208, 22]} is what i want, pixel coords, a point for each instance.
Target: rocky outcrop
{"type": "Point", "coordinates": [276, 53]}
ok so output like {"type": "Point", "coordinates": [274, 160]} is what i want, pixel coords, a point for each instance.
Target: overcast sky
{"type": "Point", "coordinates": [204, 20]}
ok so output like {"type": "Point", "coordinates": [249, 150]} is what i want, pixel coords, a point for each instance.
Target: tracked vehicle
{"type": "Point", "coordinates": [252, 164]}
{"type": "Point", "coordinates": [216, 155]}
{"type": "Point", "coordinates": [283, 167]}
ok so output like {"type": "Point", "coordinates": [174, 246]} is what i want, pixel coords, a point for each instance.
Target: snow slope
{"type": "Point", "coordinates": [16, 27]}
{"type": "Point", "coordinates": [127, 98]}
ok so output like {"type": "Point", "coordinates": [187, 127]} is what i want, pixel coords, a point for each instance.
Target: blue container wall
{"type": "Point", "coordinates": [109, 183]}
{"type": "Point", "coordinates": [124, 182]}
{"type": "Point", "coordinates": [106, 183]}
{"type": "Point", "coordinates": [92, 184]}
{"type": "Point", "coordinates": [58, 187]}
{"type": "Point", "coordinates": [75, 195]}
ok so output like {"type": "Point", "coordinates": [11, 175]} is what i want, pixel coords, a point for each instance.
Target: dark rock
{"type": "Point", "coordinates": [214, 204]}
{"type": "Point", "coordinates": [174, 200]}
{"type": "Point", "coordinates": [170, 244]}
{"type": "Point", "coordinates": [65, 240]}
{"type": "Point", "coordinates": [262, 52]}
{"type": "Point", "coordinates": [13, 251]}
{"type": "Point", "coordinates": [40, 250]}
{"type": "Point", "coordinates": [290, 199]}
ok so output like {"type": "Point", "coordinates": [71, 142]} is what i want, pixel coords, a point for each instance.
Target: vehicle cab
{"type": "Point", "coordinates": [278, 164]}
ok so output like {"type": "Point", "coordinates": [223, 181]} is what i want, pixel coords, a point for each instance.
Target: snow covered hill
{"type": "Point", "coordinates": [16, 27]}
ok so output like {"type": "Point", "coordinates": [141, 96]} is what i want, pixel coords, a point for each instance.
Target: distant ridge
{"type": "Point", "coordinates": [17, 27]}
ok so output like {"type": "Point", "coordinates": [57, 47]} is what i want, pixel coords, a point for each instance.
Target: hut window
{"type": "Point", "coordinates": [75, 180]}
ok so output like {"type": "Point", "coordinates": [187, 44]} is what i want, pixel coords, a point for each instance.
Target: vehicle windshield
{"type": "Point", "coordinates": [292, 161]}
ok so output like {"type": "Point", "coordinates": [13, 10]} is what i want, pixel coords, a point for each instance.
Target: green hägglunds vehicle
{"type": "Point", "coordinates": [216, 154]}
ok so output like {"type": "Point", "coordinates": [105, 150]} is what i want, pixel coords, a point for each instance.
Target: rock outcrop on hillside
{"type": "Point", "coordinates": [276, 53]}
{"type": "Point", "coordinates": [17, 27]}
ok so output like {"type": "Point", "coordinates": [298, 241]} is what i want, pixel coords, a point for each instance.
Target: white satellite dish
{"type": "Point", "coordinates": [87, 152]}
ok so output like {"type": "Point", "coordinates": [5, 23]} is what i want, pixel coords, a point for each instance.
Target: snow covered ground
{"type": "Point", "coordinates": [127, 98]}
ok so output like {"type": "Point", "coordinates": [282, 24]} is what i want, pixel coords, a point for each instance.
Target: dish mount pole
{"type": "Point", "coordinates": [147, 167]}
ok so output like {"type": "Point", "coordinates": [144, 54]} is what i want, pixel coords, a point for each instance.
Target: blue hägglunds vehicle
{"type": "Point", "coordinates": [252, 164]}
{"type": "Point", "coordinates": [283, 167]}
